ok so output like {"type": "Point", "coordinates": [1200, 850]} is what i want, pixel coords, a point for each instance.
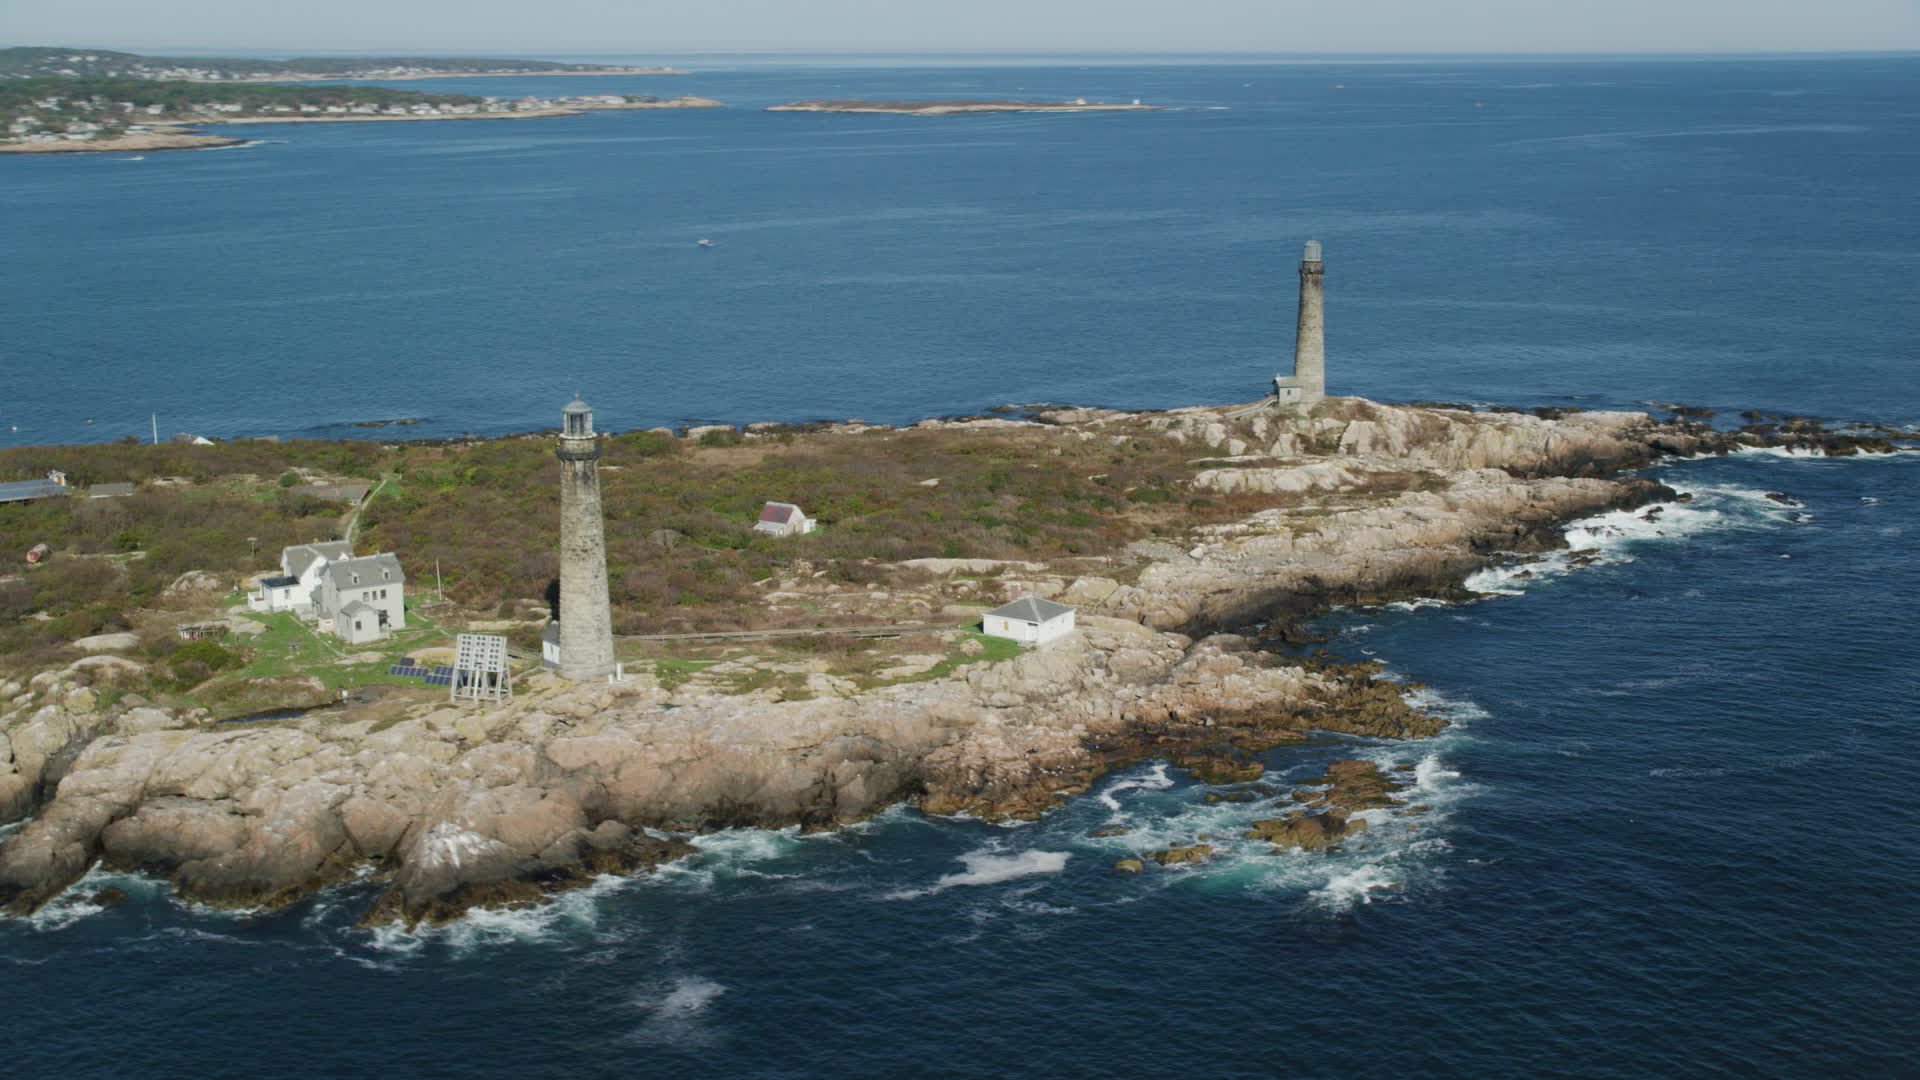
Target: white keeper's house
{"type": "Point", "coordinates": [1029, 620]}
{"type": "Point", "coordinates": [300, 568]}
{"type": "Point", "coordinates": [362, 599]}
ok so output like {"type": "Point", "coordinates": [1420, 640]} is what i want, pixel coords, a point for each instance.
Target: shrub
{"type": "Point", "coordinates": [212, 654]}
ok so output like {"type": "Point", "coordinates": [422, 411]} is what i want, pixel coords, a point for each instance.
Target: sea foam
{"type": "Point", "coordinates": [567, 916]}
{"type": "Point", "coordinates": [988, 868]}
{"type": "Point", "coordinates": [1156, 779]}
{"type": "Point", "coordinates": [1614, 537]}
{"type": "Point", "coordinates": [676, 1012]}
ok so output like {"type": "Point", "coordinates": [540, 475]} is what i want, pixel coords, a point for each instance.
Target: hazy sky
{"type": "Point", "coordinates": [641, 26]}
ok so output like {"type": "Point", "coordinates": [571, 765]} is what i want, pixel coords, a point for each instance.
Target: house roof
{"type": "Point", "coordinates": [359, 608]}
{"type": "Point", "coordinates": [779, 513]}
{"type": "Point", "coordinates": [1031, 609]}
{"type": "Point", "coordinates": [381, 569]}
{"type": "Point", "coordinates": [108, 491]}
{"type": "Point", "coordinates": [297, 560]}
{"type": "Point", "coordinates": [278, 582]}
{"type": "Point", "coordinates": [353, 492]}
{"type": "Point", "coordinates": [19, 490]}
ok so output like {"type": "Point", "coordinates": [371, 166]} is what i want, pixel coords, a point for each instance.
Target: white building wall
{"type": "Point", "coordinates": [1001, 626]}
{"type": "Point", "coordinates": [330, 602]}
{"type": "Point", "coordinates": [359, 627]}
{"type": "Point", "coordinates": [1028, 633]}
{"type": "Point", "coordinates": [1057, 627]}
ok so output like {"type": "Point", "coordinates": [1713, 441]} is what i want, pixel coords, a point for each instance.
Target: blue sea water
{"type": "Point", "coordinates": [1672, 830]}
{"type": "Point", "coordinates": [1718, 233]}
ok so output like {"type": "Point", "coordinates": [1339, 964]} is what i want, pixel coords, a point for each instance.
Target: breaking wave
{"type": "Point", "coordinates": [1616, 536]}
{"type": "Point", "coordinates": [566, 917]}
{"type": "Point", "coordinates": [1155, 780]}
{"type": "Point", "coordinates": [987, 867]}
{"type": "Point", "coordinates": [675, 1012]}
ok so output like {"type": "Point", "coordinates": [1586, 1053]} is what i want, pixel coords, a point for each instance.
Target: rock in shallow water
{"type": "Point", "coordinates": [1173, 856]}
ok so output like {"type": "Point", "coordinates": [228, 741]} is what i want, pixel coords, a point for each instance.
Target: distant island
{"type": "Point", "coordinates": [27, 62]}
{"type": "Point", "coordinates": [951, 108]}
{"type": "Point", "coordinates": [59, 114]}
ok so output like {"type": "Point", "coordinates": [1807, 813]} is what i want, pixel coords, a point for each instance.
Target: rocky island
{"type": "Point", "coordinates": [953, 108]}
{"type": "Point", "coordinates": [1192, 542]}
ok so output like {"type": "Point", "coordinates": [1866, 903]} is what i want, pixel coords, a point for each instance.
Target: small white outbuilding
{"type": "Point", "coordinates": [783, 519]}
{"type": "Point", "coordinates": [1029, 620]}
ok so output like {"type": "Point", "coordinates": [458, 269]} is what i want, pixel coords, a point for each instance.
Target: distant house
{"type": "Point", "coordinates": [1030, 620]}
{"type": "Point", "coordinates": [300, 566]}
{"type": "Point", "coordinates": [783, 519]}
{"type": "Point", "coordinates": [362, 599]}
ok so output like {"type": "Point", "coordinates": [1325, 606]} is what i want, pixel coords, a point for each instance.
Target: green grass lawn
{"type": "Point", "coordinates": [996, 650]}
{"type": "Point", "coordinates": [291, 646]}
{"type": "Point", "coordinates": [672, 672]}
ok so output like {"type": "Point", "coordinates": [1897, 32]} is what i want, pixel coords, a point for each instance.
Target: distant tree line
{"type": "Point", "coordinates": [27, 61]}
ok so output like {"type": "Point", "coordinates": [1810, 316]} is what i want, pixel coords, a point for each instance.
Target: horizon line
{"type": "Point", "coordinates": [238, 52]}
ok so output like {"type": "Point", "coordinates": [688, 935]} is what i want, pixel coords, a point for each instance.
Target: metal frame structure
{"type": "Point", "coordinates": [481, 670]}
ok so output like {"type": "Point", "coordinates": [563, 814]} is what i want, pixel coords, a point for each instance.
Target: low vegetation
{"type": "Point", "coordinates": [482, 516]}
{"type": "Point", "coordinates": [681, 550]}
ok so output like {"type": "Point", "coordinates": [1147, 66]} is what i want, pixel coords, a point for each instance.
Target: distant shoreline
{"type": "Point", "coordinates": [186, 138]}
{"type": "Point", "coordinates": [952, 108]}
{"type": "Point", "coordinates": [158, 140]}
{"type": "Point", "coordinates": [409, 76]}
{"type": "Point", "coordinates": [688, 102]}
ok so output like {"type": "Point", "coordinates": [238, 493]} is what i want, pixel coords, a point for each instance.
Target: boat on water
{"type": "Point", "coordinates": [704, 242]}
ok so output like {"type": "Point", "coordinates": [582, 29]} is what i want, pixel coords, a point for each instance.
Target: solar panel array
{"type": "Point", "coordinates": [438, 675]}
{"type": "Point", "coordinates": [443, 674]}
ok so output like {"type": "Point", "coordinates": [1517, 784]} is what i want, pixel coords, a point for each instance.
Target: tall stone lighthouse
{"type": "Point", "coordinates": [1308, 383]}
{"type": "Point", "coordinates": [586, 616]}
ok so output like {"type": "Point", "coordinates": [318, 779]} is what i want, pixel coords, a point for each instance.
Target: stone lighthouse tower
{"type": "Point", "coordinates": [586, 617]}
{"type": "Point", "coordinates": [1308, 383]}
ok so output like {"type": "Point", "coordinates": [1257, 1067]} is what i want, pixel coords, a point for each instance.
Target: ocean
{"type": "Point", "coordinates": [1671, 828]}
